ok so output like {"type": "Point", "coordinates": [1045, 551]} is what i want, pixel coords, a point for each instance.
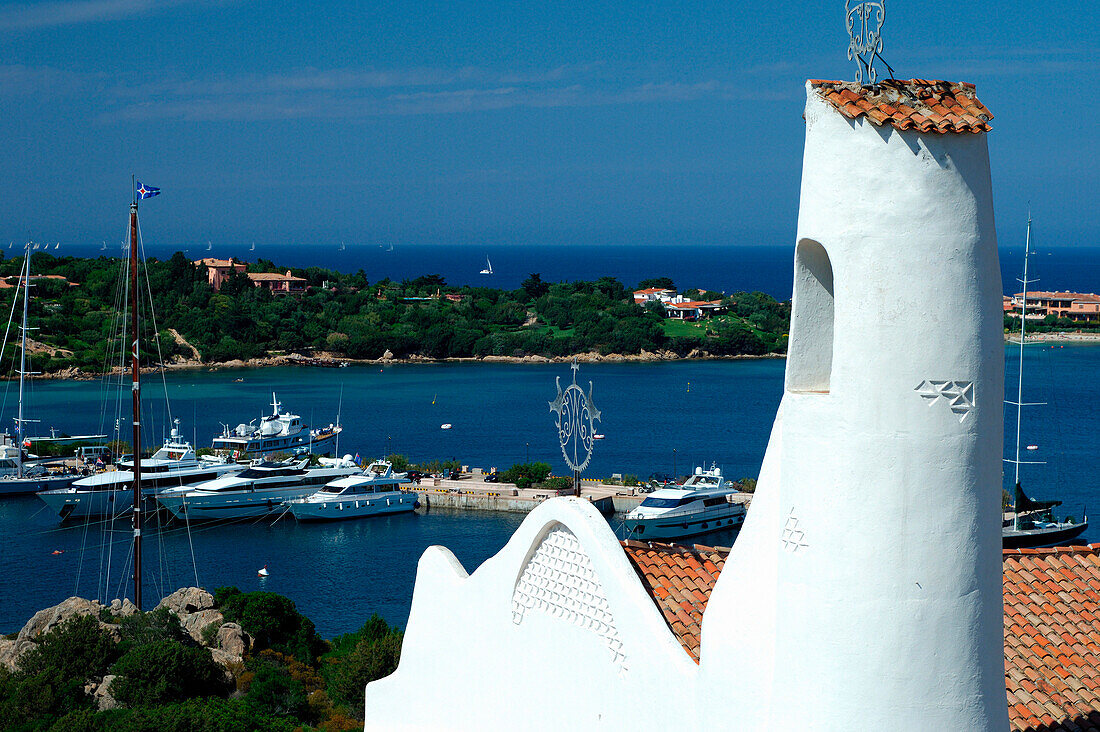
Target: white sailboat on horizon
{"type": "Point", "coordinates": [488, 267]}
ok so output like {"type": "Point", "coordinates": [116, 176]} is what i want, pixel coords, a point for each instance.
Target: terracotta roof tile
{"type": "Point", "coordinates": [1051, 631]}
{"type": "Point", "coordinates": [930, 106]}
{"type": "Point", "coordinates": [679, 579]}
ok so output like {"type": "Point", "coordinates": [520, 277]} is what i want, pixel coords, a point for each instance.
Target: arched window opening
{"type": "Point", "coordinates": [810, 347]}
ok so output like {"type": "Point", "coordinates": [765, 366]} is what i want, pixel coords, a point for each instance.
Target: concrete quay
{"type": "Point", "coordinates": [474, 494]}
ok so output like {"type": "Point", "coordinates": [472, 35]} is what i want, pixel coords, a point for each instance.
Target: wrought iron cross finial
{"type": "Point", "coordinates": [864, 19]}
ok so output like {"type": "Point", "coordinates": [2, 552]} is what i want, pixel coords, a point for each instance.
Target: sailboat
{"type": "Point", "coordinates": [253, 247]}
{"type": "Point", "coordinates": [488, 267]}
{"type": "Point", "coordinates": [175, 464]}
{"type": "Point", "coordinates": [1032, 523]}
{"type": "Point", "coordinates": [15, 479]}
{"type": "Point", "coordinates": [342, 247]}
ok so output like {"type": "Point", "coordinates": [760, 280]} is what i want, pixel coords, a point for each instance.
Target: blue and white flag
{"type": "Point", "coordinates": [144, 191]}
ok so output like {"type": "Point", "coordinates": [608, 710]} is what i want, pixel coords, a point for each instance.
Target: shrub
{"type": "Point", "coordinates": [156, 625]}
{"type": "Point", "coordinates": [164, 672]}
{"type": "Point", "coordinates": [524, 474]}
{"type": "Point", "coordinates": [559, 483]}
{"type": "Point", "coordinates": [273, 622]}
{"type": "Point", "coordinates": [630, 480]}
{"type": "Point", "coordinates": [76, 649]}
{"type": "Point", "coordinates": [193, 715]}
{"type": "Point", "coordinates": [359, 658]}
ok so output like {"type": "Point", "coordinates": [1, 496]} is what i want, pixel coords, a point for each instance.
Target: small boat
{"type": "Point", "coordinates": [258, 491]}
{"type": "Point", "coordinates": [598, 436]}
{"type": "Point", "coordinates": [700, 505]}
{"type": "Point", "coordinates": [263, 572]}
{"type": "Point", "coordinates": [1032, 523]}
{"type": "Point", "coordinates": [488, 267]}
{"type": "Point", "coordinates": [445, 426]}
{"type": "Point", "coordinates": [277, 432]}
{"type": "Point", "coordinates": [374, 492]}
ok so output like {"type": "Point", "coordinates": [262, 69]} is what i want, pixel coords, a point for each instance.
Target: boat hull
{"type": "Point", "coordinates": [70, 504]}
{"type": "Point", "coordinates": [27, 486]}
{"type": "Point", "coordinates": [232, 504]}
{"type": "Point", "coordinates": [342, 509]}
{"type": "Point", "coordinates": [1030, 538]}
{"type": "Point", "coordinates": [682, 526]}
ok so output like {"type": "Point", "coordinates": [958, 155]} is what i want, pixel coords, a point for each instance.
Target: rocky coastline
{"type": "Point", "coordinates": [192, 606]}
{"type": "Point", "coordinates": [387, 359]}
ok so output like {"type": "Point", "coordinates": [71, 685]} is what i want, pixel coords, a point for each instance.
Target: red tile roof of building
{"type": "Point", "coordinates": [914, 104]}
{"type": "Point", "coordinates": [1051, 624]}
{"type": "Point", "coordinates": [215, 262]}
{"type": "Point", "coordinates": [679, 579]}
{"type": "Point", "coordinates": [1046, 295]}
{"type": "Point", "coordinates": [274, 277]}
{"type": "Point", "coordinates": [1052, 638]}
{"type": "Point", "coordinates": [652, 291]}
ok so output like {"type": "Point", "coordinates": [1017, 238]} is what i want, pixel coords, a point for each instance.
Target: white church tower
{"type": "Point", "coordinates": [865, 587]}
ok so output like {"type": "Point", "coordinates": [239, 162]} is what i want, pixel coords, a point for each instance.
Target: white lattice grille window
{"type": "Point", "coordinates": [559, 581]}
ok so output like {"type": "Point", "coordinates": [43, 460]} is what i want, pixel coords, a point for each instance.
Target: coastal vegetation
{"type": "Point", "coordinates": [78, 315]}
{"type": "Point", "coordinates": [128, 671]}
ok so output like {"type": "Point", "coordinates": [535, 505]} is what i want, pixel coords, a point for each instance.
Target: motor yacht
{"type": "Point", "coordinates": [111, 493]}
{"type": "Point", "coordinates": [373, 492]}
{"type": "Point", "coordinates": [257, 491]}
{"type": "Point", "coordinates": [703, 503]}
{"type": "Point", "coordinates": [277, 432]}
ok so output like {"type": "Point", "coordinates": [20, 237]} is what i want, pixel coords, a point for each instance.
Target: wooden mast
{"type": "Point", "coordinates": [135, 379]}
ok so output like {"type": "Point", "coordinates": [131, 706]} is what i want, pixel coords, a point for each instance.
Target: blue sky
{"type": "Point", "coordinates": [463, 122]}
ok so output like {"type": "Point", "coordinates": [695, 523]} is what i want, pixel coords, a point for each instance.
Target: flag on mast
{"type": "Point", "coordinates": [145, 191]}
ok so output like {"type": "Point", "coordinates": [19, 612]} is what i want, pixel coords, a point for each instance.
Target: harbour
{"type": "Point", "coordinates": [654, 422]}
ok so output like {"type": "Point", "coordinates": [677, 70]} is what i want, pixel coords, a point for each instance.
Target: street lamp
{"type": "Point", "coordinates": [527, 452]}
{"type": "Point", "coordinates": [674, 465]}
{"type": "Point", "coordinates": [389, 451]}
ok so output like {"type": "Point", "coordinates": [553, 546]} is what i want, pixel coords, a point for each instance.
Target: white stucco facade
{"type": "Point", "coordinates": [864, 591]}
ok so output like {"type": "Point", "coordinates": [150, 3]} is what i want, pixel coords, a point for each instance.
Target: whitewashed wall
{"type": "Point", "coordinates": [554, 632]}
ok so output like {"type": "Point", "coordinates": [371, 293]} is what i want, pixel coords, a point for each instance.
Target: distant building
{"type": "Point", "coordinates": [1079, 306]}
{"type": "Point", "coordinates": [653, 294]}
{"type": "Point", "coordinates": [218, 270]}
{"type": "Point", "coordinates": [279, 284]}
{"type": "Point", "coordinates": [17, 281]}
{"type": "Point", "coordinates": [693, 309]}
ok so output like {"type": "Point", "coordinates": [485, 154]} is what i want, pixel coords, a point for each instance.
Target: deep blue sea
{"type": "Point", "coordinates": [720, 268]}
{"type": "Point", "coordinates": [658, 417]}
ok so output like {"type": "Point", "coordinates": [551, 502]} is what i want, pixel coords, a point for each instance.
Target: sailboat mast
{"type": "Point", "coordinates": [1020, 376]}
{"type": "Point", "coordinates": [1020, 369]}
{"type": "Point", "coordinates": [135, 386]}
{"type": "Point", "coordinates": [23, 352]}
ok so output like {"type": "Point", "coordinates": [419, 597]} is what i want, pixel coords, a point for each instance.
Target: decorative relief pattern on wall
{"type": "Point", "coordinates": [793, 537]}
{"type": "Point", "coordinates": [959, 395]}
{"type": "Point", "coordinates": [559, 580]}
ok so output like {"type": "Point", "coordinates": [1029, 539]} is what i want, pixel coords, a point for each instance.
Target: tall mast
{"type": "Point", "coordinates": [1020, 375]}
{"type": "Point", "coordinates": [23, 352]}
{"type": "Point", "coordinates": [135, 381]}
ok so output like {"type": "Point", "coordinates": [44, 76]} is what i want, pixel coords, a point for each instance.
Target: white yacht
{"type": "Point", "coordinates": [258, 491]}
{"type": "Point", "coordinates": [700, 505]}
{"type": "Point", "coordinates": [111, 493]}
{"type": "Point", "coordinates": [277, 432]}
{"type": "Point", "coordinates": [373, 492]}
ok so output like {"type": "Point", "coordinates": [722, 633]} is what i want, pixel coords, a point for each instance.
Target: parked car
{"type": "Point", "coordinates": [491, 478]}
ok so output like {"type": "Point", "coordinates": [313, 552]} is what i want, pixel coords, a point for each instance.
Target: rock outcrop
{"type": "Point", "coordinates": [102, 694]}
{"type": "Point", "coordinates": [187, 600]}
{"type": "Point", "coordinates": [46, 620]}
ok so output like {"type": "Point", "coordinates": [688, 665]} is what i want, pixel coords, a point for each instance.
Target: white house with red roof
{"type": "Point", "coordinates": [864, 590]}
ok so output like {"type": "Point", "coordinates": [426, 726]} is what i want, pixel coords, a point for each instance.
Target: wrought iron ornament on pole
{"type": "Point", "coordinates": [575, 419]}
{"type": "Point", "coordinates": [864, 19]}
